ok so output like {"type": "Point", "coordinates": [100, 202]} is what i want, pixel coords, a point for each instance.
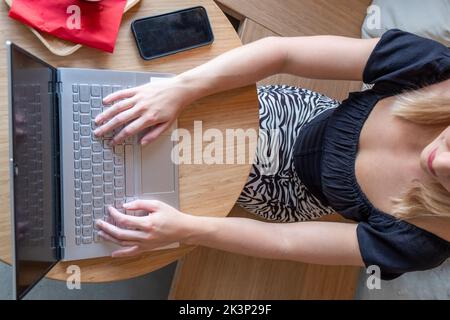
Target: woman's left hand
{"type": "Point", "coordinates": [162, 226]}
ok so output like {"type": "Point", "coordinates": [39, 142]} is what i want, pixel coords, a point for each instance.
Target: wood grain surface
{"type": "Point", "coordinates": [204, 189]}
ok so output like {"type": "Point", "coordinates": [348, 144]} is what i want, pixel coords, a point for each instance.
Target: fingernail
{"type": "Point", "coordinates": [144, 142]}
{"type": "Point", "coordinates": [96, 132]}
{"type": "Point", "coordinates": [126, 205]}
{"type": "Point", "coordinates": [97, 120]}
{"type": "Point", "coordinates": [98, 222]}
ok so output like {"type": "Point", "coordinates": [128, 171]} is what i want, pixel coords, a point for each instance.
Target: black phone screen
{"type": "Point", "coordinates": [172, 32]}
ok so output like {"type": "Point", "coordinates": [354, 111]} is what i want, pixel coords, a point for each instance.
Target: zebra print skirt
{"type": "Point", "coordinates": [273, 190]}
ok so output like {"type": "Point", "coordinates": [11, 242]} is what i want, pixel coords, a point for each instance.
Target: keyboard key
{"type": "Point", "coordinates": [76, 126]}
{"type": "Point", "coordinates": [78, 241]}
{"type": "Point", "coordinates": [86, 197]}
{"type": "Point", "coordinates": [97, 180]}
{"type": "Point", "coordinates": [77, 221]}
{"type": "Point", "coordinates": [86, 219]}
{"type": "Point", "coordinates": [97, 169]}
{"type": "Point", "coordinates": [96, 103]}
{"type": "Point", "coordinates": [108, 188]}
{"type": "Point", "coordinates": [118, 204]}
{"type": "Point", "coordinates": [96, 146]}
{"type": "Point", "coordinates": [75, 98]}
{"type": "Point", "coordinates": [108, 176]}
{"type": "Point", "coordinates": [119, 149]}
{"type": "Point", "coordinates": [118, 160]}
{"type": "Point", "coordinates": [107, 155]}
{"type": "Point", "coordinates": [85, 131]}
{"type": "Point", "coordinates": [98, 202]}
{"type": "Point", "coordinates": [118, 171]}
{"type": "Point", "coordinates": [86, 186]}
{"type": "Point", "coordinates": [77, 231]}
{"type": "Point", "coordinates": [106, 212]}
{"type": "Point", "coordinates": [96, 237]}
{"type": "Point", "coordinates": [108, 166]}
{"type": "Point", "coordinates": [109, 199]}
{"type": "Point", "coordinates": [97, 158]}
{"type": "Point", "coordinates": [85, 142]}
{"type": "Point", "coordinates": [85, 94]}
{"type": "Point", "coordinates": [95, 113]}
{"type": "Point", "coordinates": [85, 107]}
{"type": "Point", "coordinates": [106, 91]}
{"type": "Point", "coordinates": [98, 213]}
{"type": "Point", "coordinates": [76, 145]}
{"type": "Point", "coordinates": [85, 153]}
{"type": "Point", "coordinates": [77, 212]}
{"type": "Point", "coordinates": [76, 117]}
{"type": "Point", "coordinates": [86, 209]}
{"type": "Point", "coordinates": [119, 193]}
{"type": "Point", "coordinates": [86, 164]}
{"type": "Point", "coordinates": [86, 175]}
{"type": "Point", "coordinates": [76, 155]}
{"type": "Point", "coordinates": [87, 240]}
{"type": "Point", "coordinates": [77, 183]}
{"type": "Point", "coordinates": [96, 90]}
{"type": "Point", "coordinates": [118, 182]}
{"type": "Point", "coordinates": [85, 119]}
{"type": "Point", "coordinates": [87, 230]}
{"type": "Point", "coordinates": [74, 88]}
{"type": "Point", "coordinates": [76, 107]}
{"type": "Point", "coordinates": [76, 164]}
{"type": "Point", "coordinates": [97, 191]}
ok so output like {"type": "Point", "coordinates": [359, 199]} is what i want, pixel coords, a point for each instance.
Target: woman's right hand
{"type": "Point", "coordinates": [152, 106]}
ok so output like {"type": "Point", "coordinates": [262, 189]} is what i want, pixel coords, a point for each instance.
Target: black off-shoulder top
{"type": "Point", "coordinates": [326, 149]}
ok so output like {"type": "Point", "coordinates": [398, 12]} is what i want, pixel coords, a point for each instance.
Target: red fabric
{"type": "Point", "coordinates": [99, 21]}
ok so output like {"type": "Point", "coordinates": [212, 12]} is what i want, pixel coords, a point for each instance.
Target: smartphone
{"type": "Point", "coordinates": [169, 33]}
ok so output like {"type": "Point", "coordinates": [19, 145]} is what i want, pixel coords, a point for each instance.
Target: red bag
{"type": "Point", "coordinates": [94, 24]}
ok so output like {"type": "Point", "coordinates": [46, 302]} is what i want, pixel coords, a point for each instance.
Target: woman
{"type": "Point", "coordinates": [381, 158]}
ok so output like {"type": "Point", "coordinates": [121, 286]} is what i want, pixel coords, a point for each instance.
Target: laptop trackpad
{"type": "Point", "coordinates": [158, 170]}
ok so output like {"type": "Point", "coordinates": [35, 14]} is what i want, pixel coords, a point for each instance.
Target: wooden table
{"type": "Point", "coordinates": [204, 189]}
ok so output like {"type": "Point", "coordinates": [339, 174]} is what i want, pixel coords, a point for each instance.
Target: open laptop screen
{"type": "Point", "coordinates": [33, 173]}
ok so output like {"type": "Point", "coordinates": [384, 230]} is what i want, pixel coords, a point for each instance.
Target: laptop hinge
{"type": "Point", "coordinates": [59, 241]}
{"type": "Point", "coordinates": [62, 242]}
{"type": "Point", "coordinates": [59, 87]}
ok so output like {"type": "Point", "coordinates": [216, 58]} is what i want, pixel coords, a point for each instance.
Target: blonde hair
{"type": "Point", "coordinates": [432, 109]}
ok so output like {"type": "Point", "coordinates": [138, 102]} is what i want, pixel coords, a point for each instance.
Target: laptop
{"type": "Point", "coordinates": [62, 177]}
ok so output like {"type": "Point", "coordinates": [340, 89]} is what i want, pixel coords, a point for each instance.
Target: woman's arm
{"type": "Point", "coordinates": [317, 57]}
{"type": "Point", "coordinates": [312, 242]}
{"type": "Point", "coordinates": [325, 243]}
{"type": "Point", "coordinates": [157, 105]}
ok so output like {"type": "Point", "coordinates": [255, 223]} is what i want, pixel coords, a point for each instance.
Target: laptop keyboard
{"type": "Point", "coordinates": [103, 175]}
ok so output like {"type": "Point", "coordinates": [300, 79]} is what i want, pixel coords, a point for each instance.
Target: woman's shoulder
{"type": "Point", "coordinates": [398, 246]}
{"type": "Point", "coordinates": [404, 60]}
